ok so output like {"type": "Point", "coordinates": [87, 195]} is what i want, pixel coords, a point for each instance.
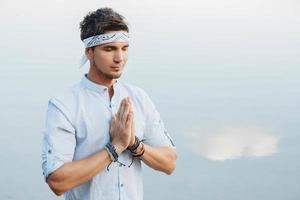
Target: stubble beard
{"type": "Point", "coordinates": [111, 76]}
{"type": "Point", "coordinates": [107, 76]}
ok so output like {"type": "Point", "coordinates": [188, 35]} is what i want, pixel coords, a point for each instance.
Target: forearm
{"type": "Point", "coordinates": [78, 172]}
{"type": "Point", "coordinates": [160, 158]}
{"type": "Point", "coordinates": [75, 173]}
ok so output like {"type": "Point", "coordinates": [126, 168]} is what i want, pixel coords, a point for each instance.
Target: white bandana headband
{"type": "Point", "coordinates": [103, 39]}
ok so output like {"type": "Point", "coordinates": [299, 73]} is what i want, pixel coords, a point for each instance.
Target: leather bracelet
{"type": "Point", "coordinates": [112, 150]}
{"type": "Point", "coordinates": [135, 145]}
{"type": "Point", "coordinates": [109, 154]}
{"type": "Point", "coordinates": [141, 152]}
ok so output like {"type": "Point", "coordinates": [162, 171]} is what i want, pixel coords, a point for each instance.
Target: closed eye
{"type": "Point", "coordinates": [108, 49]}
{"type": "Point", "coordinates": [111, 48]}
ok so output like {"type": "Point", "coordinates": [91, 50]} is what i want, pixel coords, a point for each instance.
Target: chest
{"type": "Point", "coordinates": [93, 117]}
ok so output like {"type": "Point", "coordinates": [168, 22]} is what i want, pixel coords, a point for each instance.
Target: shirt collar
{"type": "Point", "coordinates": [95, 86]}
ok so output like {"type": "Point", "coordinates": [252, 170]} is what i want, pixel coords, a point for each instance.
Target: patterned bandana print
{"type": "Point", "coordinates": [103, 39]}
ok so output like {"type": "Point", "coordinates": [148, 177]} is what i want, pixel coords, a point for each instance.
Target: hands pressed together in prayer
{"type": "Point", "coordinates": [122, 127]}
{"type": "Point", "coordinates": [77, 172]}
{"type": "Point", "coordinates": [122, 133]}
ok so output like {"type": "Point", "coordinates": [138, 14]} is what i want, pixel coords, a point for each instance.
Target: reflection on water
{"type": "Point", "coordinates": [233, 143]}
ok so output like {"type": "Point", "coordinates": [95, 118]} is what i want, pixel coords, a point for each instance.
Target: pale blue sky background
{"type": "Point", "coordinates": [224, 75]}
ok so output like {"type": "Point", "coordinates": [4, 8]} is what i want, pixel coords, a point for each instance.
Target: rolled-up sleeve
{"type": "Point", "coordinates": [58, 138]}
{"type": "Point", "coordinates": [155, 132]}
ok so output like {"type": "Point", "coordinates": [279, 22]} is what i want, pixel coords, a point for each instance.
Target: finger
{"type": "Point", "coordinates": [129, 119]}
{"type": "Point", "coordinates": [125, 103]}
{"type": "Point", "coordinates": [126, 112]}
{"type": "Point", "coordinates": [133, 117]}
{"type": "Point", "coordinates": [112, 124]}
{"type": "Point", "coordinates": [132, 124]}
{"type": "Point", "coordinates": [120, 110]}
{"type": "Point", "coordinates": [129, 101]}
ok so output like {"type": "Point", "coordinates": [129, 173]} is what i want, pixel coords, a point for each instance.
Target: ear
{"type": "Point", "coordinates": [89, 53]}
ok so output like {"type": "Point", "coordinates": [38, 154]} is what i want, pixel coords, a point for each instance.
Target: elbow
{"type": "Point", "coordinates": [57, 192]}
{"type": "Point", "coordinates": [56, 186]}
{"type": "Point", "coordinates": [170, 169]}
{"type": "Point", "coordinates": [172, 164]}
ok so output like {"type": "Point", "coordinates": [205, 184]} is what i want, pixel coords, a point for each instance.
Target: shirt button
{"type": "Point", "coordinates": [49, 151]}
{"type": "Point", "coordinates": [122, 185]}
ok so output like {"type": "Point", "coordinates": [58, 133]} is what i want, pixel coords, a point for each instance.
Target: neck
{"type": "Point", "coordinates": [99, 78]}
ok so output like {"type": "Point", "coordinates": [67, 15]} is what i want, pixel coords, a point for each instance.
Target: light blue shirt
{"type": "Point", "coordinates": [77, 126]}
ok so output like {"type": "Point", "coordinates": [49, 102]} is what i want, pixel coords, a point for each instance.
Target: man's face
{"type": "Point", "coordinates": [108, 60]}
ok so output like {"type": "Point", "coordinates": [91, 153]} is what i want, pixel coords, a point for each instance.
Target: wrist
{"type": "Point", "coordinates": [134, 145]}
{"type": "Point", "coordinates": [119, 148]}
{"type": "Point", "coordinates": [112, 151]}
{"type": "Point", "coordinates": [138, 148]}
{"type": "Point", "coordinates": [139, 152]}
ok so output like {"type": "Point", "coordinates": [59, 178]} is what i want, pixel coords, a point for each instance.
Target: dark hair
{"type": "Point", "coordinates": [101, 21]}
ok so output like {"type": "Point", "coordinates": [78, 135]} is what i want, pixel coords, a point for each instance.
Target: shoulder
{"type": "Point", "coordinates": [67, 99]}
{"type": "Point", "coordinates": [68, 94]}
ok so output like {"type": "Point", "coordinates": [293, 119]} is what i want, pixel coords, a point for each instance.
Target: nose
{"type": "Point", "coordinates": [118, 57]}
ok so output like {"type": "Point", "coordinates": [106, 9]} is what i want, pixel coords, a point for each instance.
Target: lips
{"type": "Point", "coordinates": [116, 66]}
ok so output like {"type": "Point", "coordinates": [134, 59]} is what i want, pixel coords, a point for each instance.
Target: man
{"type": "Point", "coordinates": [99, 131]}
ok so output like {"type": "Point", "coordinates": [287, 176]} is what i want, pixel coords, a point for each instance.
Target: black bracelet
{"type": "Point", "coordinates": [136, 144]}
{"type": "Point", "coordinates": [141, 152]}
{"type": "Point", "coordinates": [111, 148]}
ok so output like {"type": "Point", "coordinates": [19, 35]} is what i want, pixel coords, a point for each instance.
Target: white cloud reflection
{"type": "Point", "coordinates": [233, 143]}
